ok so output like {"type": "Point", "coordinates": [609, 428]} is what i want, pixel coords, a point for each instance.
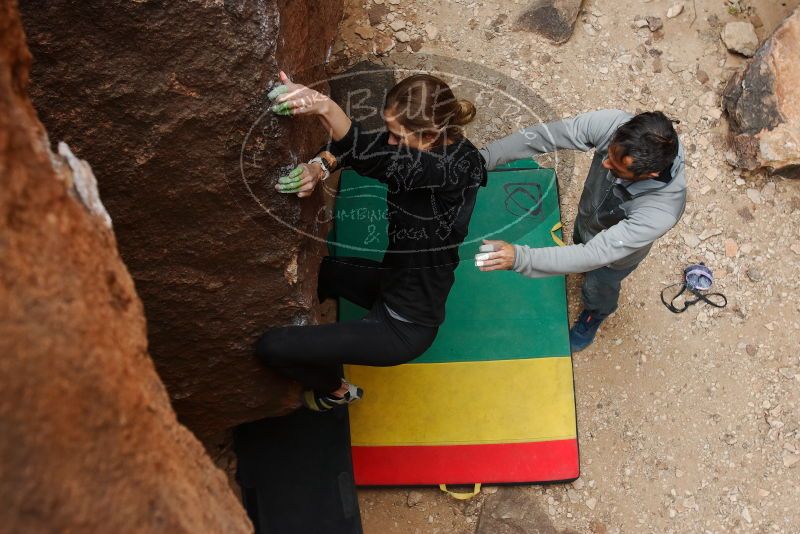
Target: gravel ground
{"type": "Point", "coordinates": [687, 423]}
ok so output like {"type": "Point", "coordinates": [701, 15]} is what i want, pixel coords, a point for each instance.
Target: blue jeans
{"type": "Point", "coordinates": [601, 287]}
{"type": "Point", "coordinates": [600, 290]}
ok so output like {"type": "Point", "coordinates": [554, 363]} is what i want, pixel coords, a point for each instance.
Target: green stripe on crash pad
{"type": "Point", "coordinates": [489, 316]}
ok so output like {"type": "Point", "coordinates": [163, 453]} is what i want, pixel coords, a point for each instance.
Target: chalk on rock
{"type": "Point", "coordinates": [85, 184]}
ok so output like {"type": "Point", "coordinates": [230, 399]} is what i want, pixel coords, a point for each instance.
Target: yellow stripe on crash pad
{"type": "Point", "coordinates": [500, 401]}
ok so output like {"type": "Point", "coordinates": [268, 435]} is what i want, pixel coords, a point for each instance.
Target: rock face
{"type": "Point", "coordinates": [763, 104]}
{"type": "Point", "coordinates": [166, 101]}
{"type": "Point", "coordinates": [89, 440]}
{"type": "Point", "coordinates": [740, 37]}
{"type": "Point", "coordinates": [553, 19]}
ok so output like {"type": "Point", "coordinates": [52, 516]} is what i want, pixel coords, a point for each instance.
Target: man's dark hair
{"type": "Point", "coordinates": [650, 140]}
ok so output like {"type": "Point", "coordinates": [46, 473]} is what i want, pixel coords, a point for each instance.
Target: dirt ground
{"type": "Point", "coordinates": [687, 423]}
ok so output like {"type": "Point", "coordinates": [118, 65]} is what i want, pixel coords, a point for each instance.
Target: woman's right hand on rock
{"type": "Point", "coordinates": [294, 99]}
{"type": "Point", "coordinates": [302, 180]}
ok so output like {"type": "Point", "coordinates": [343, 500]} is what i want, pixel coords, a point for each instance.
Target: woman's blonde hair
{"type": "Point", "coordinates": [426, 104]}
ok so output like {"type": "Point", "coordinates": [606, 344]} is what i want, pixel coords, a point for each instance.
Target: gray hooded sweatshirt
{"type": "Point", "coordinates": [617, 220]}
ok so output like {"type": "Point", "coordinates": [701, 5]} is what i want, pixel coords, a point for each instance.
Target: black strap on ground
{"type": "Point", "coordinates": [296, 474]}
{"type": "Point", "coordinates": [718, 300]}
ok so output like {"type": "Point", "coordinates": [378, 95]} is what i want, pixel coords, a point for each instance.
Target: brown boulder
{"type": "Point", "coordinates": [553, 19]}
{"type": "Point", "coordinates": [89, 440]}
{"type": "Point", "coordinates": [763, 104]}
{"type": "Point", "coordinates": [161, 97]}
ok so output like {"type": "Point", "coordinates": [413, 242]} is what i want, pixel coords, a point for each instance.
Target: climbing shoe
{"type": "Point", "coordinates": [582, 334]}
{"type": "Point", "coordinates": [322, 403]}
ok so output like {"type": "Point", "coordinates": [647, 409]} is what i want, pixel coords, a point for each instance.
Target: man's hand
{"type": "Point", "coordinates": [495, 256]}
{"type": "Point", "coordinates": [302, 180]}
{"type": "Point", "coordinates": [294, 99]}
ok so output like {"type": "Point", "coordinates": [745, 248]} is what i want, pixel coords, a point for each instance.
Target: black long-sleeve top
{"type": "Point", "coordinates": [430, 198]}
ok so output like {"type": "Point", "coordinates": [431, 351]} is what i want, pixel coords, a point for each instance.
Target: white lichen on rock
{"type": "Point", "coordinates": [85, 183]}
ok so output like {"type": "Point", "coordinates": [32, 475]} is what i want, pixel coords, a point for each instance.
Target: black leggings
{"type": "Point", "coordinates": [313, 355]}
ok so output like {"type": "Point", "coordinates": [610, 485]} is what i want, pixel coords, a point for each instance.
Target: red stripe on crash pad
{"type": "Point", "coordinates": [466, 464]}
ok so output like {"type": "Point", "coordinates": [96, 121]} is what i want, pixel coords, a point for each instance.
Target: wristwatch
{"type": "Point", "coordinates": [323, 164]}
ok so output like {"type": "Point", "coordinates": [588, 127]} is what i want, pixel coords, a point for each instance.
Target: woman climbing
{"type": "Point", "coordinates": [433, 173]}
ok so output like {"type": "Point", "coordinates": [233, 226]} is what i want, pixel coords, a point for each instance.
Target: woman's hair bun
{"type": "Point", "coordinates": [465, 114]}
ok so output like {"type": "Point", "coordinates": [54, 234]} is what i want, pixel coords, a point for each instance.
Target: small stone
{"type": "Point", "coordinates": [694, 114]}
{"type": "Point", "coordinates": [751, 350]}
{"type": "Point", "coordinates": [591, 503]}
{"type": "Point", "coordinates": [657, 65]}
{"type": "Point", "coordinates": [578, 484]}
{"type": "Point", "coordinates": [382, 44]}
{"type": "Point", "coordinates": [763, 493]}
{"type": "Point", "coordinates": [675, 67]}
{"type": "Point", "coordinates": [795, 248]}
{"type": "Point", "coordinates": [675, 10]}
{"type": "Point", "coordinates": [768, 191]}
{"type": "Point", "coordinates": [376, 14]}
{"type": "Point", "coordinates": [754, 274]}
{"type": "Point", "coordinates": [701, 76]}
{"type": "Point", "coordinates": [365, 32]}
{"type": "Point", "coordinates": [640, 23]}
{"type": "Point", "coordinates": [431, 31]}
{"type": "Point", "coordinates": [710, 232]}
{"type": "Point", "coordinates": [397, 25]}
{"type": "Point", "coordinates": [745, 214]}
{"type": "Point", "coordinates": [746, 515]}
{"type": "Point", "coordinates": [690, 239]}
{"type": "Point", "coordinates": [598, 527]}
{"type": "Point", "coordinates": [654, 23]}
{"type": "Point", "coordinates": [402, 36]}
{"type": "Point", "coordinates": [740, 37]}
{"type": "Point", "coordinates": [573, 496]}
{"type": "Point", "coordinates": [787, 373]}
{"type": "Point", "coordinates": [754, 195]}
{"type": "Point", "coordinates": [414, 498]}
{"type": "Point", "coordinates": [731, 248]}
{"type": "Point", "coordinates": [790, 459]}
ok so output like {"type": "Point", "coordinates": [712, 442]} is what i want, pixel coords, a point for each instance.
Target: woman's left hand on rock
{"type": "Point", "coordinates": [295, 99]}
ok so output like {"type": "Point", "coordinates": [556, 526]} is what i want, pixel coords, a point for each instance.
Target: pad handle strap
{"type": "Point", "coordinates": [461, 496]}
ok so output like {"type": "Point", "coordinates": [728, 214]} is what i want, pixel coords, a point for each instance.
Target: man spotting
{"type": "Point", "coordinates": [634, 193]}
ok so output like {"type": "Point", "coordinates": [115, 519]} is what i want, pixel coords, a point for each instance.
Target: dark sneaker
{"type": "Point", "coordinates": [323, 403]}
{"type": "Point", "coordinates": [582, 334]}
